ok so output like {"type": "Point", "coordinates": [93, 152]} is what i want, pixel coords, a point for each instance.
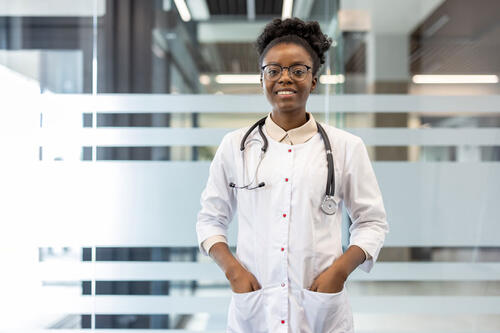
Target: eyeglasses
{"type": "Point", "coordinates": [296, 72]}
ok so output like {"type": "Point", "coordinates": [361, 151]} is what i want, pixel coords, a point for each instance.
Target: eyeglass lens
{"type": "Point", "coordinates": [296, 72]}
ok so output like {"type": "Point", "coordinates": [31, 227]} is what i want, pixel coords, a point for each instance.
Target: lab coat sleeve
{"type": "Point", "coordinates": [364, 204]}
{"type": "Point", "coordinates": [211, 241]}
{"type": "Point", "coordinates": [367, 256]}
{"type": "Point", "coordinates": [218, 200]}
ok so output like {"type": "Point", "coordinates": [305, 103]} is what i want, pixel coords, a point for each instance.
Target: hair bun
{"type": "Point", "coordinates": [309, 31]}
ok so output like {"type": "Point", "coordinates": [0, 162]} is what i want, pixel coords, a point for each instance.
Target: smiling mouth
{"type": "Point", "coordinates": [285, 92]}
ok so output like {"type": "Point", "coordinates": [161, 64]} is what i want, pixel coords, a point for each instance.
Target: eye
{"type": "Point", "coordinates": [298, 72]}
{"type": "Point", "coordinates": [272, 71]}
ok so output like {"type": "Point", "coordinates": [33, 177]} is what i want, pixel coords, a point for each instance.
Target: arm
{"type": "Point", "coordinates": [363, 201]}
{"type": "Point", "coordinates": [241, 280]}
{"type": "Point", "coordinates": [364, 204]}
{"type": "Point", "coordinates": [333, 278]}
{"type": "Point", "coordinates": [218, 204]}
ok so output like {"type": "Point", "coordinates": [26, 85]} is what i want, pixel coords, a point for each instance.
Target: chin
{"type": "Point", "coordinates": [286, 107]}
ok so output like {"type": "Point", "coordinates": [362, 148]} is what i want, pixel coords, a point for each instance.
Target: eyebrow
{"type": "Point", "coordinates": [295, 63]}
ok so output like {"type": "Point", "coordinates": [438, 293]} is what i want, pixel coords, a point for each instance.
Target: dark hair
{"type": "Point", "coordinates": [296, 31]}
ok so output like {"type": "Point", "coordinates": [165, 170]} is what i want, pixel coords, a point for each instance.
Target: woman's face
{"type": "Point", "coordinates": [287, 54]}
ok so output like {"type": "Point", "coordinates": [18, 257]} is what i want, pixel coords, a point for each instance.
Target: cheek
{"type": "Point", "coordinates": [268, 89]}
{"type": "Point", "coordinates": [305, 90]}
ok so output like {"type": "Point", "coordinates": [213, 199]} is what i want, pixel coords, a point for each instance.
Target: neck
{"type": "Point", "coordinates": [289, 120]}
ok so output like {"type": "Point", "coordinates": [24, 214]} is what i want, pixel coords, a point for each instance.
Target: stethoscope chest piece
{"type": "Point", "coordinates": [329, 206]}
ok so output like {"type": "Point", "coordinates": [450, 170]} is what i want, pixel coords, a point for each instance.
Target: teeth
{"type": "Point", "coordinates": [285, 92]}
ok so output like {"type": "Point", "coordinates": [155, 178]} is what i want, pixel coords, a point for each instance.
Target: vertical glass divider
{"type": "Point", "coordinates": [94, 153]}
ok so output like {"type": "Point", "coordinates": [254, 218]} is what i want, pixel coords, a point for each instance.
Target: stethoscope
{"type": "Point", "coordinates": [328, 206]}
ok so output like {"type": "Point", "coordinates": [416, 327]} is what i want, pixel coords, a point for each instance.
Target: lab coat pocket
{"type": "Point", "coordinates": [249, 314]}
{"type": "Point", "coordinates": [247, 304]}
{"type": "Point", "coordinates": [327, 312]}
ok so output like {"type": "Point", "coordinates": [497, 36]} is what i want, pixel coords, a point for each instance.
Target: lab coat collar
{"type": "Point", "coordinates": [295, 135]}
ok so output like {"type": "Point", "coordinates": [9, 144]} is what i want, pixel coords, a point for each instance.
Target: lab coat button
{"type": "Point", "coordinates": [282, 249]}
{"type": "Point", "coordinates": [286, 179]}
{"type": "Point", "coordinates": [282, 321]}
{"type": "Point", "coordinates": [284, 215]}
{"type": "Point", "coordinates": [289, 150]}
{"type": "Point", "coordinates": [282, 284]}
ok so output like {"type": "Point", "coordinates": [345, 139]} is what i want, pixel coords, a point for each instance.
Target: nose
{"type": "Point", "coordinates": [284, 78]}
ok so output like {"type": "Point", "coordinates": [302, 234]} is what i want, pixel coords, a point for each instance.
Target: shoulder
{"type": "Point", "coordinates": [340, 137]}
{"type": "Point", "coordinates": [345, 145]}
{"type": "Point", "coordinates": [231, 141]}
{"type": "Point", "coordinates": [233, 138]}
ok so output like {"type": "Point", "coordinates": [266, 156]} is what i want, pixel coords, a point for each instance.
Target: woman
{"type": "Point", "coordinates": [289, 271]}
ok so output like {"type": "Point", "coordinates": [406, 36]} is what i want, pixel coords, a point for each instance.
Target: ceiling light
{"type": "Point", "coordinates": [237, 78]}
{"type": "Point", "coordinates": [453, 79]}
{"type": "Point", "coordinates": [354, 20]}
{"type": "Point", "coordinates": [204, 79]}
{"type": "Point", "coordinates": [332, 79]}
{"type": "Point", "coordinates": [287, 9]}
{"type": "Point", "coordinates": [183, 10]}
{"type": "Point", "coordinates": [199, 10]}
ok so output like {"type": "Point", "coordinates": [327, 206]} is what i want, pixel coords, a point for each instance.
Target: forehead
{"type": "Point", "coordinates": [287, 53]}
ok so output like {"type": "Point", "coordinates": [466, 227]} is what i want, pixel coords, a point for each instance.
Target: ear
{"type": "Point", "coordinates": [314, 84]}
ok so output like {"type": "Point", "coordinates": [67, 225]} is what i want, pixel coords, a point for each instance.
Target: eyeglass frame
{"type": "Point", "coordinates": [287, 68]}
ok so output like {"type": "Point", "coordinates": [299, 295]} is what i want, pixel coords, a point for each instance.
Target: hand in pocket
{"type": "Point", "coordinates": [242, 281]}
{"type": "Point", "coordinates": [329, 281]}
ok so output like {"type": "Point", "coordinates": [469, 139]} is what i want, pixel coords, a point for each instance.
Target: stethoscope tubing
{"type": "Point", "coordinates": [330, 183]}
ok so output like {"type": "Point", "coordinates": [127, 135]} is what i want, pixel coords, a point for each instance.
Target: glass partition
{"type": "Point", "coordinates": [113, 110]}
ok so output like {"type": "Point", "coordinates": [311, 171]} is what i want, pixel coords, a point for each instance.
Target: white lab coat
{"type": "Point", "coordinates": [284, 238]}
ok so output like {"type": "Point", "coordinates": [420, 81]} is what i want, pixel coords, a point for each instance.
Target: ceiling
{"type": "Point", "coordinates": [393, 16]}
{"type": "Point", "coordinates": [459, 37]}
{"type": "Point", "coordinates": [239, 7]}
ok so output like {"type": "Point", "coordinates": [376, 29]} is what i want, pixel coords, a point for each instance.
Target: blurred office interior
{"type": "Point", "coordinates": [111, 111]}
